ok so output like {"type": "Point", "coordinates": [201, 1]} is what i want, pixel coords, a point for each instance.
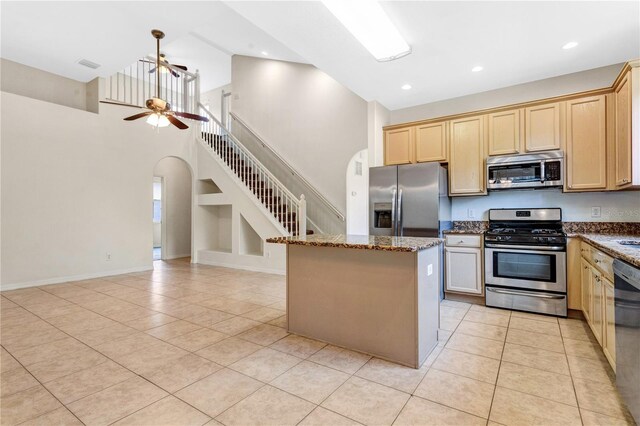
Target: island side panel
{"type": "Point", "coordinates": [363, 300]}
{"type": "Point", "coordinates": [428, 306]}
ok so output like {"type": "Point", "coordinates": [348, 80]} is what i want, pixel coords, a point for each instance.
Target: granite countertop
{"type": "Point", "coordinates": [608, 243]}
{"type": "Point", "coordinates": [463, 231]}
{"type": "Point", "coordinates": [363, 242]}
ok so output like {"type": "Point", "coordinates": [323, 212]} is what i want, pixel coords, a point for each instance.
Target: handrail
{"type": "Point", "coordinates": [266, 185]}
{"type": "Point", "coordinates": [290, 167]}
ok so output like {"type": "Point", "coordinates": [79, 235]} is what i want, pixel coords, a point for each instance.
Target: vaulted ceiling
{"type": "Point", "coordinates": [515, 42]}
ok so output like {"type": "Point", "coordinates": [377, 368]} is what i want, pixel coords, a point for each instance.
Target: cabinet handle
{"type": "Point", "coordinates": [461, 242]}
{"type": "Point", "coordinates": [625, 180]}
{"type": "Point", "coordinates": [596, 260]}
{"type": "Point", "coordinates": [597, 278]}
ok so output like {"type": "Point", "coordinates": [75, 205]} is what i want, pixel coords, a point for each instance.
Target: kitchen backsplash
{"type": "Point", "coordinates": [621, 206]}
{"type": "Point", "coordinates": [627, 228]}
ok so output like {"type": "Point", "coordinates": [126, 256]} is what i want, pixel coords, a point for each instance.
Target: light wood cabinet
{"type": "Point", "coordinates": [597, 314]}
{"type": "Point", "coordinates": [574, 276]}
{"type": "Point", "coordinates": [623, 131]}
{"type": "Point", "coordinates": [586, 289]}
{"type": "Point", "coordinates": [398, 146]}
{"type": "Point", "coordinates": [504, 132]}
{"type": "Point", "coordinates": [586, 155]}
{"type": "Point", "coordinates": [609, 328]}
{"type": "Point", "coordinates": [431, 141]}
{"type": "Point", "coordinates": [542, 127]}
{"type": "Point", "coordinates": [466, 156]}
{"type": "Point", "coordinates": [463, 269]}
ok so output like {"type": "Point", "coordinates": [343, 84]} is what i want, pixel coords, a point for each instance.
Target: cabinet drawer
{"type": "Point", "coordinates": [603, 262]}
{"type": "Point", "coordinates": [463, 240]}
{"type": "Point", "coordinates": [585, 251]}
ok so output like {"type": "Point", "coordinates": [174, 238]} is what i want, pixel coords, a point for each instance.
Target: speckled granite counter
{"type": "Point", "coordinates": [468, 227]}
{"type": "Point", "coordinates": [608, 243]}
{"type": "Point", "coordinates": [363, 242]}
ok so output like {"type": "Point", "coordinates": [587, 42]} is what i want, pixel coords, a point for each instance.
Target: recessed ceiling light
{"type": "Point", "coordinates": [88, 63]}
{"type": "Point", "coordinates": [265, 53]}
{"type": "Point", "coordinates": [477, 68]}
{"type": "Point", "coordinates": [371, 26]}
{"type": "Point", "coordinates": [406, 87]}
{"type": "Point", "coordinates": [570, 45]}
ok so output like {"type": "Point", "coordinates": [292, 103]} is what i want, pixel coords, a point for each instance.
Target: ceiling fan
{"type": "Point", "coordinates": [164, 69]}
{"type": "Point", "coordinates": [159, 111]}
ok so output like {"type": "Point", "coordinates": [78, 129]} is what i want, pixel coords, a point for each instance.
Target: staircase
{"type": "Point", "coordinates": [276, 199]}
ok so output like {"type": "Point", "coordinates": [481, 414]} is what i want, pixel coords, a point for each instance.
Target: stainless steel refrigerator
{"type": "Point", "coordinates": [410, 200]}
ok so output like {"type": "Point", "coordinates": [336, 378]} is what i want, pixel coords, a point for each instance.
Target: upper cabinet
{"type": "Point", "coordinates": [505, 132]}
{"type": "Point", "coordinates": [466, 156]}
{"type": "Point", "coordinates": [623, 131]}
{"type": "Point", "coordinates": [431, 141]}
{"type": "Point", "coordinates": [542, 127]}
{"type": "Point", "coordinates": [398, 146]}
{"type": "Point", "coordinates": [586, 153]}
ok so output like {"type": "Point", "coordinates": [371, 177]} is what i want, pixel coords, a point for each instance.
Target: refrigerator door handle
{"type": "Point", "coordinates": [399, 233]}
{"type": "Point", "coordinates": [393, 211]}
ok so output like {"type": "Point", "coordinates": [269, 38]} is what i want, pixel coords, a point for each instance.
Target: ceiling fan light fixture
{"type": "Point", "coordinates": [158, 120]}
{"type": "Point", "coordinates": [371, 26]}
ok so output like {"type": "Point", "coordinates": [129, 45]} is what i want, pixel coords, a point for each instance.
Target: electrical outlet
{"type": "Point", "coordinates": [268, 253]}
{"type": "Point", "coordinates": [471, 213]}
{"type": "Point", "coordinates": [107, 257]}
{"type": "Point", "coordinates": [429, 269]}
{"type": "Point", "coordinates": [596, 211]}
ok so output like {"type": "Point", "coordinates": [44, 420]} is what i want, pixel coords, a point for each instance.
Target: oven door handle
{"type": "Point", "coordinates": [514, 246]}
{"type": "Point", "coordinates": [524, 293]}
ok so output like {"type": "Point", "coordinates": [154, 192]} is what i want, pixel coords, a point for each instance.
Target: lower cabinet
{"type": "Point", "coordinates": [598, 299]}
{"type": "Point", "coordinates": [463, 264]}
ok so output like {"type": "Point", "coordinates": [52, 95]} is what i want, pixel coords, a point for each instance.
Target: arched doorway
{"type": "Point", "coordinates": [172, 191]}
{"type": "Point", "coordinates": [358, 194]}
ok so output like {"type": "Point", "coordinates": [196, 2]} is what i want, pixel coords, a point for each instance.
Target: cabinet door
{"type": "Point", "coordinates": [586, 143]}
{"type": "Point", "coordinates": [463, 268]}
{"type": "Point", "coordinates": [398, 146]}
{"type": "Point", "coordinates": [542, 127]}
{"type": "Point", "coordinates": [466, 156]}
{"type": "Point", "coordinates": [596, 305]}
{"type": "Point", "coordinates": [431, 142]}
{"type": "Point", "coordinates": [623, 131]}
{"type": "Point", "coordinates": [609, 346]}
{"type": "Point", "coordinates": [504, 132]}
{"type": "Point", "coordinates": [586, 290]}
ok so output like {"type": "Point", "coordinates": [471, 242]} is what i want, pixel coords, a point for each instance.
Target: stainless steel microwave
{"type": "Point", "coordinates": [543, 170]}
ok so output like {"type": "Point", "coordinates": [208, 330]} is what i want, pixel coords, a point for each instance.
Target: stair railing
{"type": "Point", "coordinates": [272, 195]}
{"type": "Point", "coordinates": [137, 83]}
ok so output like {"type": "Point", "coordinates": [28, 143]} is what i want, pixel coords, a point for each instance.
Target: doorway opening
{"type": "Point", "coordinates": [157, 217]}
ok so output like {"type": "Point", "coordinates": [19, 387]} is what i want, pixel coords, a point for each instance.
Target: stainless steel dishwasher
{"type": "Point", "coordinates": [627, 307]}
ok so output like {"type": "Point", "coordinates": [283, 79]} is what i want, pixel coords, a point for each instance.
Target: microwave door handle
{"type": "Point", "coordinates": [393, 211]}
{"type": "Point", "coordinates": [542, 171]}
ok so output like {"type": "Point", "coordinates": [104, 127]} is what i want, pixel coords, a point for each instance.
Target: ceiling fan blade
{"type": "Point", "coordinates": [191, 116]}
{"type": "Point", "coordinates": [121, 104]}
{"type": "Point", "coordinates": [152, 70]}
{"type": "Point", "coordinates": [173, 73]}
{"type": "Point", "coordinates": [135, 117]}
{"type": "Point", "coordinates": [182, 67]}
{"type": "Point", "coordinates": [179, 124]}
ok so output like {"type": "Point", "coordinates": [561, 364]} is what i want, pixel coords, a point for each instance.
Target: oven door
{"type": "Point", "coordinates": [527, 267]}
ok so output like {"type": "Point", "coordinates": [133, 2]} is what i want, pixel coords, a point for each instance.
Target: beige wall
{"type": "Point", "coordinates": [45, 86]}
{"type": "Point", "coordinates": [177, 204]}
{"type": "Point", "coordinates": [570, 83]}
{"type": "Point", "coordinates": [213, 98]}
{"type": "Point", "coordinates": [310, 119]}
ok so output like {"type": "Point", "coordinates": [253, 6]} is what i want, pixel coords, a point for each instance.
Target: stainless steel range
{"type": "Point", "coordinates": [525, 255]}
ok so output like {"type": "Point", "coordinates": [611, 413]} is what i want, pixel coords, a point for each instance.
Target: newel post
{"type": "Point", "coordinates": [302, 216]}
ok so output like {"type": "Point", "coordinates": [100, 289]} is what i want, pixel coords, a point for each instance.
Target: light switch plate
{"type": "Point", "coordinates": [471, 213]}
{"type": "Point", "coordinates": [429, 269]}
{"type": "Point", "coordinates": [596, 212]}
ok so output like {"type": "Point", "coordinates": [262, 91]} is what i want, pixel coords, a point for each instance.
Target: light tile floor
{"type": "Point", "coordinates": [192, 345]}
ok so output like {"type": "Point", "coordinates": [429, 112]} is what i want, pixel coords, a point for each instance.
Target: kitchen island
{"type": "Point", "coordinates": [378, 295]}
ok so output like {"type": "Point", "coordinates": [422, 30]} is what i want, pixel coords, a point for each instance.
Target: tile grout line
{"type": "Point", "coordinates": [495, 388]}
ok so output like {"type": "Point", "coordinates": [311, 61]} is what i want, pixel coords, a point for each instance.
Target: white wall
{"type": "Point", "coordinates": [177, 182]}
{"type": "Point", "coordinates": [621, 206]}
{"type": "Point", "coordinates": [314, 122]}
{"type": "Point", "coordinates": [556, 86]}
{"type": "Point", "coordinates": [34, 83]}
{"type": "Point", "coordinates": [76, 186]}
{"type": "Point", "coordinates": [213, 98]}
{"type": "Point", "coordinates": [378, 117]}
{"type": "Point", "coordinates": [357, 217]}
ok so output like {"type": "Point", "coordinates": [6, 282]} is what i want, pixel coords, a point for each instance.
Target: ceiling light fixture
{"type": "Point", "coordinates": [406, 87]}
{"type": "Point", "coordinates": [477, 68]}
{"type": "Point", "coordinates": [570, 45]}
{"type": "Point", "coordinates": [369, 23]}
{"type": "Point", "coordinates": [265, 53]}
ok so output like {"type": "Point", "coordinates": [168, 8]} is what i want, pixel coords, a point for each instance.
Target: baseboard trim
{"type": "Point", "coordinates": [176, 256]}
{"type": "Point", "coordinates": [242, 267]}
{"type": "Point", "coordinates": [58, 280]}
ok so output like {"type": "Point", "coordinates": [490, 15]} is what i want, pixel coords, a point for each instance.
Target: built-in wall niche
{"type": "Point", "coordinates": [208, 186]}
{"type": "Point", "coordinates": [217, 224]}
{"type": "Point", "coordinates": [250, 241]}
